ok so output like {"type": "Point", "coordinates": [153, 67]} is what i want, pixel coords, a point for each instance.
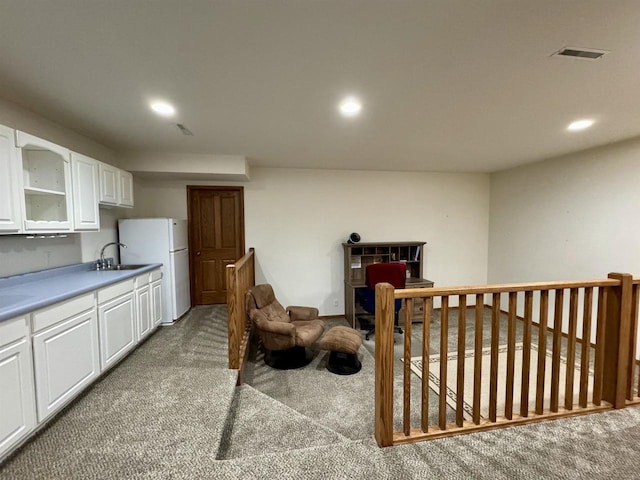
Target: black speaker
{"type": "Point", "coordinates": [353, 238]}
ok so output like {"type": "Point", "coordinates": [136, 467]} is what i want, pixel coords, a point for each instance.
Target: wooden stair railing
{"type": "Point", "coordinates": [615, 329]}
{"type": "Point", "coordinates": [240, 278]}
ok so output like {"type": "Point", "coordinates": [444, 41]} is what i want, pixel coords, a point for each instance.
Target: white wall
{"type": "Point", "coordinates": [14, 116]}
{"type": "Point", "coordinates": [297, 220]}
{"type": "Point", "coordinates": [569, 218]}
{"type": "Point", "coordinates": [19, 254]}
{"type": "Point", "coordinates": [575, 217]}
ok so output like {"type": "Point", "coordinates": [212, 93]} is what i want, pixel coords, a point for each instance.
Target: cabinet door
{"type": "Point", "coordinates": [66, 361]}
{"type": "Point", "coordinates": [156, 302]}
{"type": "Point", "coordinates": [109, 182]}
{"type": "Point", "coordinates": [85, 176]}
{"type": "Point", "coordinates": [17, 395]}
{"type": "Point", "coordinates": [143, 302]}
{"type": "Point", "coordinates": [10, 183]}
{"type": "Point", "coordinates": [116, 320]}
{"type": "Point", "coordinates": [46, 183]}
{"type": "Point", "coordinates": [126, 189]}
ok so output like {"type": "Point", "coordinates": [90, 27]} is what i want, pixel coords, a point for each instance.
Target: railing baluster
{"type": "Point", "coordinates": [555, 354]}
{"type": "Point", "coordinates": [585, 351]}
{"type": "Point", "coordinates": [477, 358]}
{"type": "Point", "coordinates": [408, 310]}
{"type": "Point", "coordinates": [495, 338]}
{"type": "Point", "coordinates": [526, 354]}
{"type": "Point", "coordinates": [542, 350]}
{"type": "Point", "coordinates": [426, 340]}
{"type": "Point", "coordinates": [511, 354]}
{"type": "Point", "coordinates": [600, 339]}
{"type": "Point", "coordinates": [571, 348]}
{"type": "Point", "coordinates": [632, 341]}
{"type": "Point", "coordinates": [462, 340]}
{"type": "Point", "coordinates": [444, 344]}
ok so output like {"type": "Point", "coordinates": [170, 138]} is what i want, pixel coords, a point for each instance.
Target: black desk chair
{"type": "Point", "coordinates": [393, 273]}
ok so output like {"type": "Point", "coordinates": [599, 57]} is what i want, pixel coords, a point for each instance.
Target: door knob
{"type": "Point", "coordinates": [198, 254]}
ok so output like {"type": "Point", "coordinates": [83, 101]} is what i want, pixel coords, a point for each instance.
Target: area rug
{"type": "Point", "coordinates": [452, 368]}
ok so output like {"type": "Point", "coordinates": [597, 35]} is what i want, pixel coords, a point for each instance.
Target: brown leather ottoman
{"type": "Point", "coordinates": [343, 343]}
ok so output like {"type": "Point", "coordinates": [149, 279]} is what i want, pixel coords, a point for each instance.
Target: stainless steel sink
{"type": "Point", "coordinates": [124, 267]}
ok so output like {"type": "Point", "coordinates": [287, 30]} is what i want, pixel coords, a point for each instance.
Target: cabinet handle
{"type": "Point", "coordinates": [198, 254]}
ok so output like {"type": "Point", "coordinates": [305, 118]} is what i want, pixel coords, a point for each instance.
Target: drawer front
{"type": "Point", "coordinates": [49, 316]}
{"type": "Point", "coordinates": [156, 275]}
{"type": "Point", "coordinates": [142, 280]}
{"type": "Point", "coordinates": [113, 291]}
{"type": "Point", "coordinates": [13, 330]}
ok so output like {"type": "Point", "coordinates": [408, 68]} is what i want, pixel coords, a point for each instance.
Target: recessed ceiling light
{"type": "Point", "coordinates": [163, 108]}
{"type": "Point", "coordinates": [350, 107]}
{"type": "Point", "coordinates": [580, 125]}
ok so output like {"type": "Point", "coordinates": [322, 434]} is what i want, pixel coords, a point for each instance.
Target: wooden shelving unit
{"type": "Point", "coordinates": [357, 256]}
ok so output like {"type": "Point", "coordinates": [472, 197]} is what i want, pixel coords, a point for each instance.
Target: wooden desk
{"type": "Point", "coordinates": [351, 309]}
{"type": "Point", "coordinates": [357, 256]}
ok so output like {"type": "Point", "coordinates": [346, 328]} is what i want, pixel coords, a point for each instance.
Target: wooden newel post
{"type": "Point", "coordinates": [385, 303]}
{"type": "Point", "coordinates": [616, 342]}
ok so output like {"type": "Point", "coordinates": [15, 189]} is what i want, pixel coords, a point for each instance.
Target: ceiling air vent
{"type": "Point", "coordinates": [582, 53]}
{"type": "Point", "coordinates": [183, 129]}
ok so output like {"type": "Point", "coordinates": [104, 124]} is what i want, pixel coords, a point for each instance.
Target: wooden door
{"type": "Point", "coordinates": [216, 239]}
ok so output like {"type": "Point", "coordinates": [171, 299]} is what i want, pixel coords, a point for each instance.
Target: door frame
{"type": "Point", "coordinates": [190, 190]}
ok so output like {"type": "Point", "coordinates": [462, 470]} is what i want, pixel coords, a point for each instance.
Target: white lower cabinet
{"type": "Point", "coordinates": [65, 353]}
{"type": "Point", "coordinates": [117, 322]}
{"type": "Point", "coordinates": [17, 395]}
{"type": "Point", "coordinates": [156, 299]}
{"type": "Point", "coordinates": [143, 305]}
{"type": "Point", "coordinates": [50, 355]}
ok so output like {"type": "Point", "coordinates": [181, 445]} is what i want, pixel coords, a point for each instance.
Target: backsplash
{"type": "Point", "coordinates": [19, 254]}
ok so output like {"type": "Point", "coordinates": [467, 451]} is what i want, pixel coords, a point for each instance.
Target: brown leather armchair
{"type": "Point", "coordinates": [285, 333]}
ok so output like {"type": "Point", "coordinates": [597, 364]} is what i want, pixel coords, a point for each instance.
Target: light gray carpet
{"type": "Point", "coordinates": [170, 396]}
{"type": "Point", "coordinates": [259, 424]}
{"type": "Point", "coordinates": [162, 412]}
{"type": "Point", "coordinates": [343, 403]}
{"type": "Point", "coordinates": [605, 445]}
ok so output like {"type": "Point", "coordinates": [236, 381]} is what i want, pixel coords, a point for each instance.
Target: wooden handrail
{"type": "Point", "coordinates": [240, 277]}
{"type": "Point", "coordinates": [504, 288]}
{"type": "Point", "coordinates": [615, 325]}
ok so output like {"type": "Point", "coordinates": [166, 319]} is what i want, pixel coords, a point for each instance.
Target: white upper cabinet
{"type": "Point", "coordinates": [10, 191]}
{"type": "Point", "coordinates": [126, 189]}
{"type": "Point", "coordinates": [85, 176]}
{"type": "Point", "coordinates": [109, 183]}
{"type": "Point", "coordinates": [116, 186]}
{"type": "Point", "coordinates": [46, 176]}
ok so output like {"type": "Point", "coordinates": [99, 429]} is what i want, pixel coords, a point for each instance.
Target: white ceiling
{"type": "Point", "coordinates": [449, 85]}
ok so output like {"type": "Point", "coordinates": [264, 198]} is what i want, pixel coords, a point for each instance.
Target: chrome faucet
{"type": "Point", "coordinates": [102, 263]}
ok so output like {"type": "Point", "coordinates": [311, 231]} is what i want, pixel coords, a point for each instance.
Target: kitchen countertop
{"type": "Point", "coordinates": [20, 294]}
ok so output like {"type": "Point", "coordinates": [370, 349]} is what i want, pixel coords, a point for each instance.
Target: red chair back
{"type": "Point", "coordinates": [393, 273]}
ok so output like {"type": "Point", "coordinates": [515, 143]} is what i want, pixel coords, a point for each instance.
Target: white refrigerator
{"type": "Point", "coordinates": [161, 240]}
